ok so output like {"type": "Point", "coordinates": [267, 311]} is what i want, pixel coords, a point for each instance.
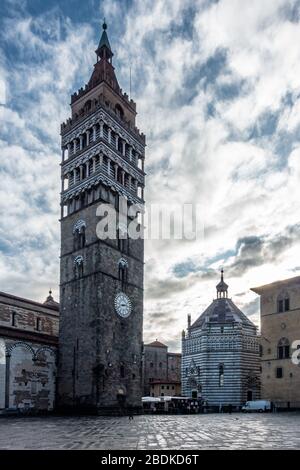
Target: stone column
{"type": "Point", "coordinates": [101, 159]}
{"type": "Point", "coordinates": [74, 175]}
{"type": "Point", "coordinates": [123, 177]}
{"type": "Point", "coordinates": [129, 181]}
{"type": "Point", "coordinates": [87, 138]}
{"type": "Point", "coordinates": [80, 142]}
{"type": "Point", "coordinates": [116, 172]}
{"type": "Point", "coordinates": [101, 129]}
{"type": "Point", "coordinates": [130, 153]}
{"type": "Point", "coordinates": [80, 172]}
{"type": "Point", "coordinates": [94, 164]}
{"type": "Point", "coordinates": [117, 141]}
{"type": "Point", "coordinates": [69, 150]}
{"type": "Point", "coordinates": [63, 154]}
{"type": "Point", "coordinates": [109, 136]}
{"type": "Point", "coordinates": [124, 148]}
{"type": "Point", "coordinates": [108, 166]}
{"type": "Point", "coordinates": [74, 145]}
{"type": "Point", "coordinates": [7, 379]}
{"type": "Point", "coordinates": [94, 132]}
{"type": "Point", "coordinates": [136, 186]}
{"type": "Point", "coordinates": [87, 168]}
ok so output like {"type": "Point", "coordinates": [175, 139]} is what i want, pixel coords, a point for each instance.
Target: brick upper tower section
{"type": "Point", "coordinates": [103, 90]}
{"type": "Point", "coordinates": [100, 141]}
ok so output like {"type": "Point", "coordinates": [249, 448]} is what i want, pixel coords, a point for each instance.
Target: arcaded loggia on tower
{"type": "Point", "coordinates": [100, 339]}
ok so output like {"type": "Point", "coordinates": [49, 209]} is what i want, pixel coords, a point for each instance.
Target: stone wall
{"type": "Point", "coordinates": [155, 365]}
{"type": "Point", "coordinates": [26, 314]}
{"type": "Point", "coordinates": [28, 351]}
{"type": "Point", "coordinates": [100, 352]}
{"type": "Point", "coordinates": [160, 365]}
{"type": "Point", "coordinates": [174, 367]}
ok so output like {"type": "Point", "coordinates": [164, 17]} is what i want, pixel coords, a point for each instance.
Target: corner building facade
{"type": "Point", "coordinates": [280, 337]}
{"type": "Point", "coordinates": [101, 319]}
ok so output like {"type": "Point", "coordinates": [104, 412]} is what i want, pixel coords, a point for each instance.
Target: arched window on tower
{"type": "Point", "coordinates": [79, 235]}
{"type": "Point", "coordinates": [283, 349]}
{"type": "Point", "coordinates": [82, 198]}
{"type": "Point", "coordinates": [78, 267]}
{"type": "Point", "coordinates": [76, 240]}
{"type": "Point", "coordinates": [87, 105]}
{"type": "Point", "coordinates": [123, 241]}
{"type": "Point", "coordinates": [119, 111]}
{"type": "Point", "coordinates": [286, 304]}
{"type": "Point", "coordinates": [221, 375]}
{"type": "Point", "coordinates": [123, 272]}
{"type": "Point", "coordinates": [283, 302]}
{"type": "Point", "coordinates": [120, 177]}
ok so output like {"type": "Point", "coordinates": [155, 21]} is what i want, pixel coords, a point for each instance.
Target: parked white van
{"type": "Point", "coordinates": [257, 405]}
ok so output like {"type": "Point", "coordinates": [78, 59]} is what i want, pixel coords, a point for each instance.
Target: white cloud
{"type": "Point", "coordinates": [2, 91]}
{"type": "Point", "coordinates": [36, 104]}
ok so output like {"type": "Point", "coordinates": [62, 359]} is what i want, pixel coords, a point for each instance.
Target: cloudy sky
{"type": "Point", "coordinates": [217, 85]}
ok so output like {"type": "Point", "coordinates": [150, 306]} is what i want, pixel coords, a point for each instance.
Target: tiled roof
{"type": "Point", "coordinates": [222, 310]}
{"type": "Point", "coordinates": [14, 300]}
{"type": "Point", "coordinates": [156, 344]}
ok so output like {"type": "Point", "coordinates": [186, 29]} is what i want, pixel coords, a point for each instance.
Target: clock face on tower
{"type": "Point", "coordinates": [122, 305]}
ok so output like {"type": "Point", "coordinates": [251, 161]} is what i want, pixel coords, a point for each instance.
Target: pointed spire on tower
{"type": "Point", "coordinates": [103, 69]}
{"type": "Point", "coordinates": [222, 287]}
{"type": "Point", "coordinates": [103, 50]}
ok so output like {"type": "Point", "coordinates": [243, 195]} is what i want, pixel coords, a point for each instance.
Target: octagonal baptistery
{"type": "Point", "coordinates": [220, 355]}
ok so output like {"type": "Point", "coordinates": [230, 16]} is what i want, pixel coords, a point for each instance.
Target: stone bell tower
{"type": "Point", "coordinates": [101, 283]}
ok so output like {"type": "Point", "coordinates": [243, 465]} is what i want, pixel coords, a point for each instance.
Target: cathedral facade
{"type": "Point", "coordinates": [101, 291]}
{"type": "Point", "coordinates": [28, 353]}
{"type": "Point", "coordinates": [220, 355]}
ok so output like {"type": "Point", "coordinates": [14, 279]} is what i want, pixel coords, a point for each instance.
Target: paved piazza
{"type": "Point", "coordinates": [221, 431]}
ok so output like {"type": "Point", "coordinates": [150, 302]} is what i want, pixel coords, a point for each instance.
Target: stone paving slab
{"type": "Point", "coordinates": [207, 431]}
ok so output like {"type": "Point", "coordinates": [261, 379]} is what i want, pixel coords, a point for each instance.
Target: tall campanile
{"type": "Point", "coordinates": [101, 284]}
